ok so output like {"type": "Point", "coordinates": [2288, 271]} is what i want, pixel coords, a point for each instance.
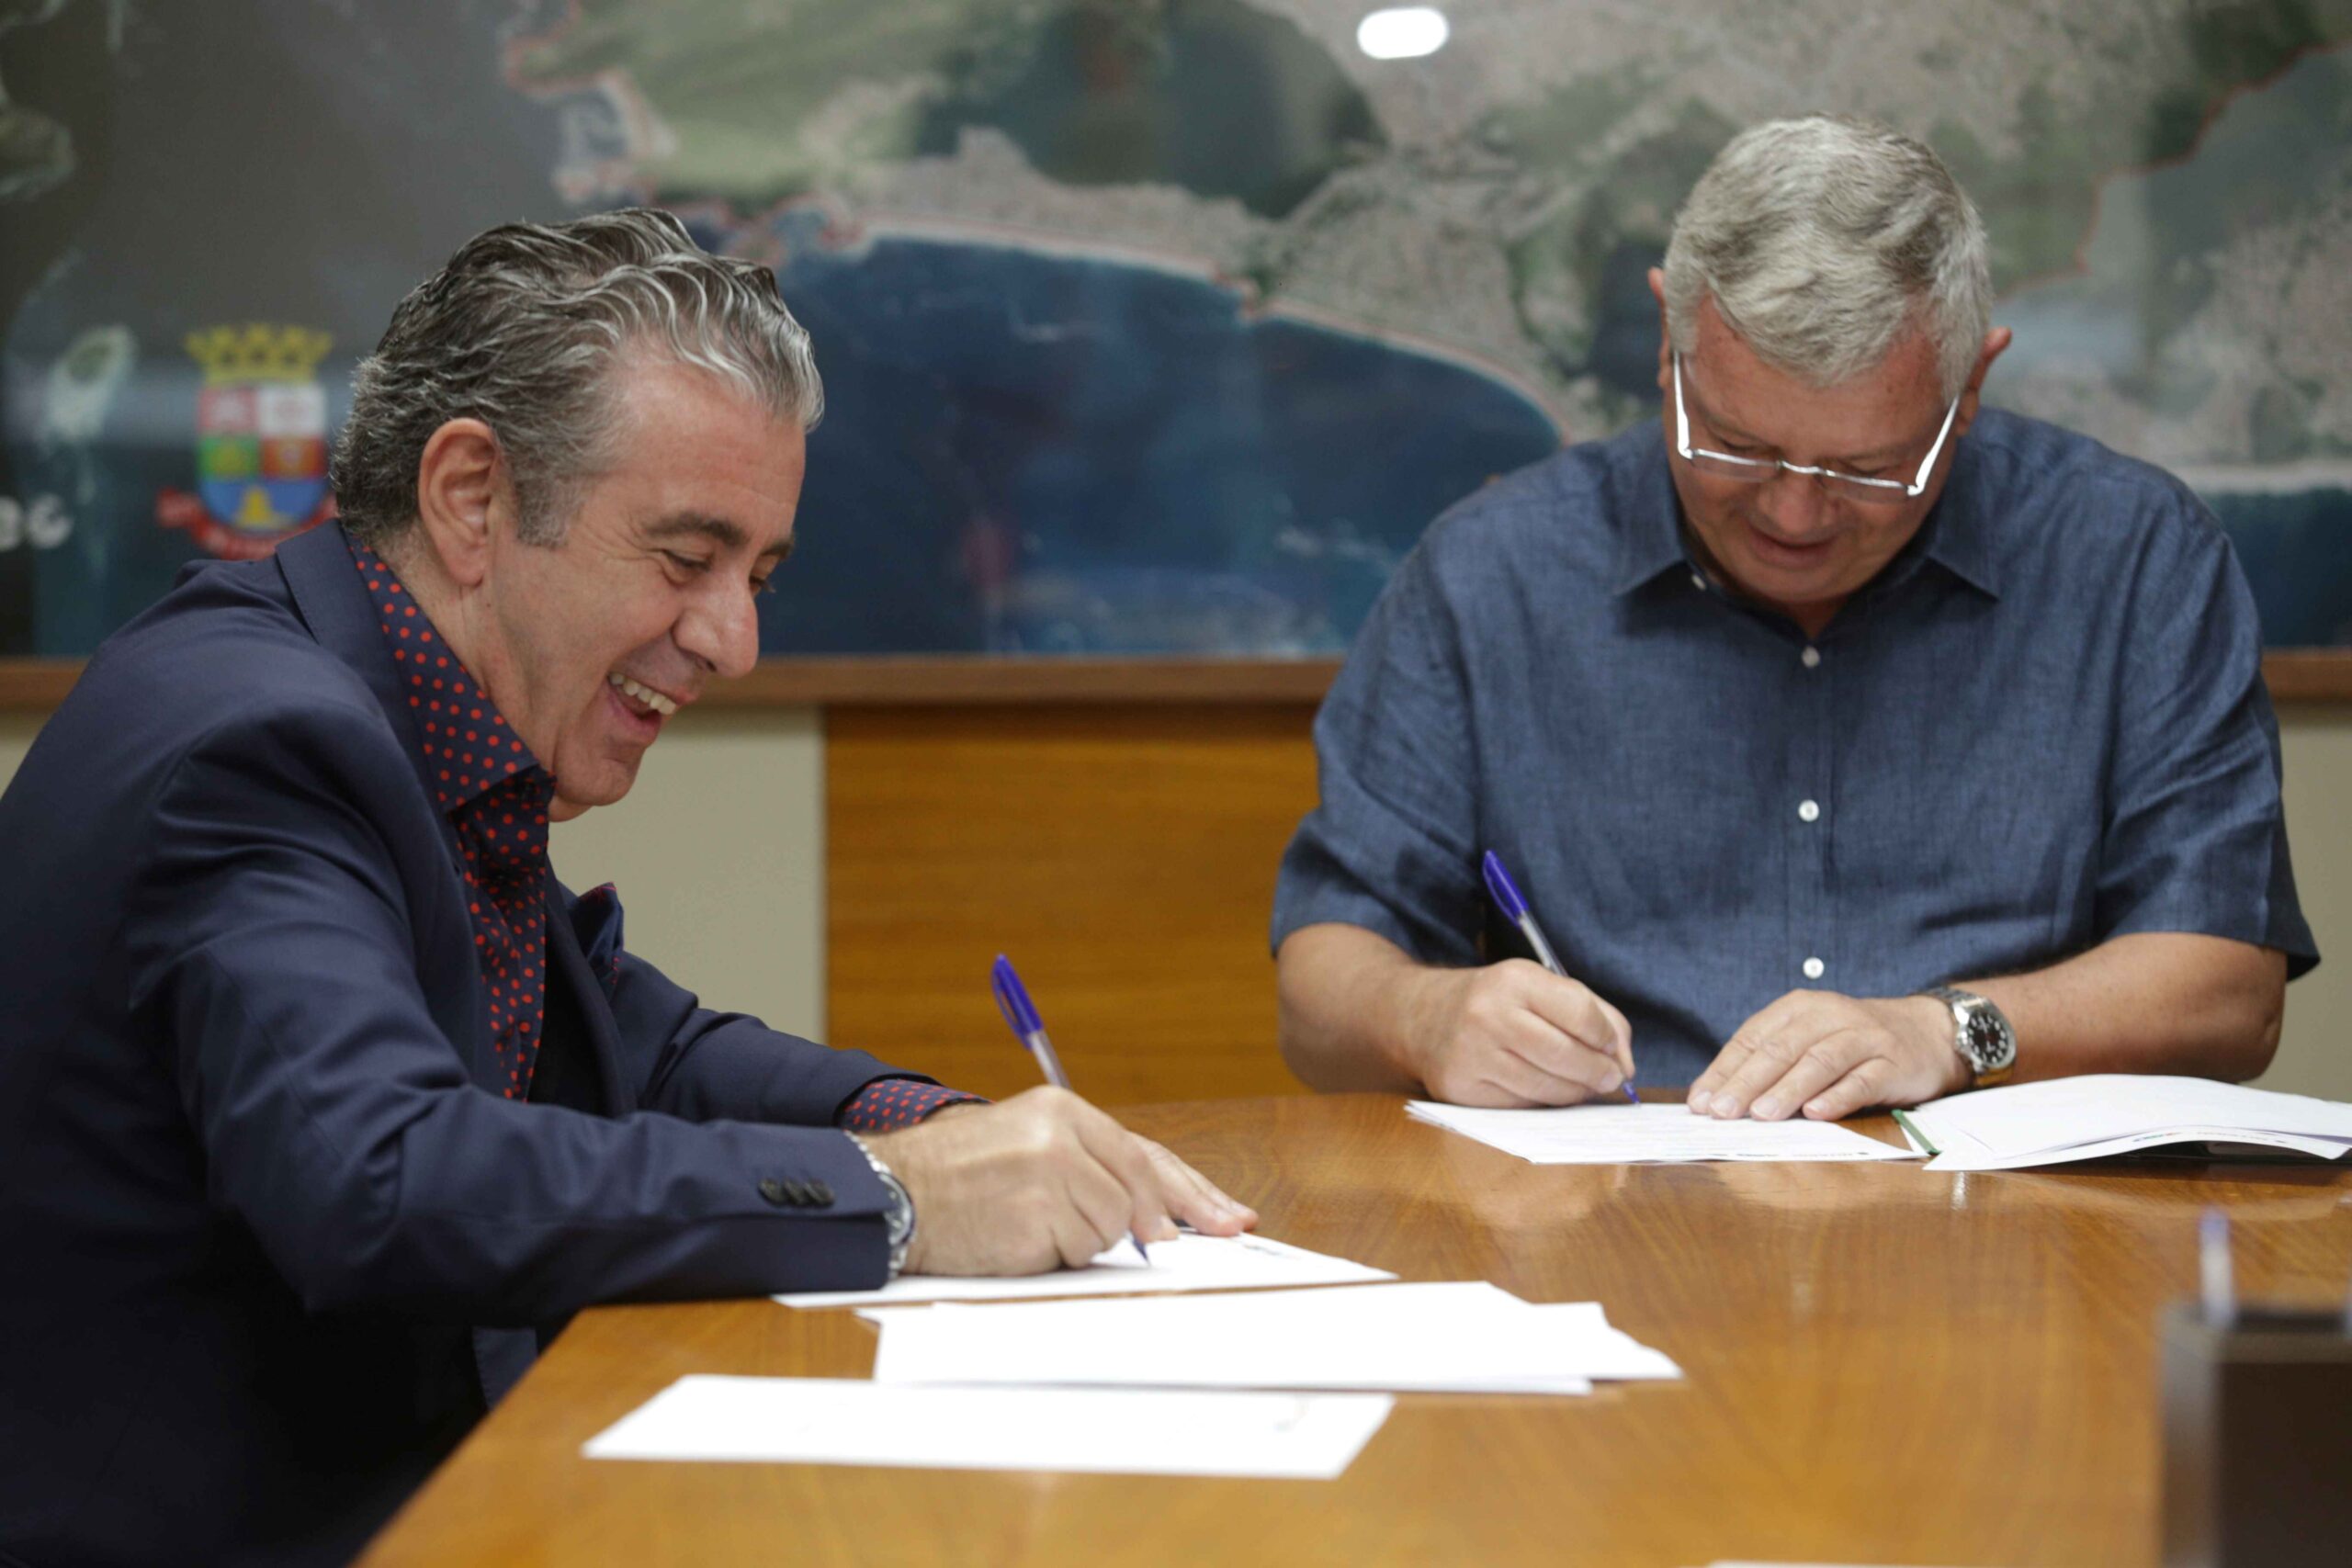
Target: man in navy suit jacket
{"type": "Point", "coordinates": [320, 1102]}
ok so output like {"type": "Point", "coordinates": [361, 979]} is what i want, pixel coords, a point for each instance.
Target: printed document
{"type": "Point", "coordinates": [2060, 1119]}
{"type": "Point", "coordinates": [1638, 1135]}
{"type": "Point", "coordinates": [1191, 1262]}
{"type": "Point", "coordinates": [1121, 1432]}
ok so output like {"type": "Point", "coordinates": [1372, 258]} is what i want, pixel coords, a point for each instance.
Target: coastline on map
{"type": "Point", "coordinates": [783, 233]}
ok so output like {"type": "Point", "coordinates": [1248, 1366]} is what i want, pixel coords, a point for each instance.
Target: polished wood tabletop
{"type": "Point", "coordinates": [1884, 1365]}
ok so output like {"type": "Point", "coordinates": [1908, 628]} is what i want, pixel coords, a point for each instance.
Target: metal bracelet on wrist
{"type": "Point", "coordinates": [898, 1220]}
{"type": "Point", "coordinates": [1981, 1033]}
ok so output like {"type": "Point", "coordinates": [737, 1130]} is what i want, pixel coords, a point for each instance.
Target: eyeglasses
{"type": "Point", "coordinates": [1756, 470]}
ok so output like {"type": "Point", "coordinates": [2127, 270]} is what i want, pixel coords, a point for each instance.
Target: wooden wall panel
{"type": "Point", "coordinates": [1122, 856]}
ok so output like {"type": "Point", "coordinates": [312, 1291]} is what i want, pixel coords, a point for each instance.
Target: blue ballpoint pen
{"type": "Point", "coordinates": [1021, 1017]}
{"type": "Point", "coordinates": [1514, 907]}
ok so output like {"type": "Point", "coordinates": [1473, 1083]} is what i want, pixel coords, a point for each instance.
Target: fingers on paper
{"type": "Point", "coordinates": [1091, 1218]}
{"type": "Point", "coordinates": [1194, 1198]}
{"type": "Point", "coordinates": [1552, 1041]}
{"type": "Point", "coordinates": [1121, 1157]}
{"type": "Point", "coordinates": [1510, 1079]}
{"type": "Point", "coordinates": [1761, 1053]}
{"type": "Point", "coordinates": [1573, 1009]}
{"type": "Point", "coordinates": [1870, 1083]}
{"type": "Point", "coordinates": [1819, 1054]}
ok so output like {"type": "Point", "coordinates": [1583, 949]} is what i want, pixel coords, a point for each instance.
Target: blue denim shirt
{"type": "Point", "coordinates": [2041, 725]}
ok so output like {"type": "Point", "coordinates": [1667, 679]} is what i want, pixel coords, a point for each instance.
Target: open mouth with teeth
{"type": "Point", "coordinates": [641, 699]}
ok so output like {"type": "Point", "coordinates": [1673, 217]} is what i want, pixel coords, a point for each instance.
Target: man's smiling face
{"type": "Point", "coordinates": [1787, 542]}
{"type": "Point", "coordinates": [589, 646]}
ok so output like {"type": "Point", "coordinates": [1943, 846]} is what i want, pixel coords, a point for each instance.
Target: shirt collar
{"type": "Point", "coordinates": [1650, 542]}
{"type": "Point", "coordinates": [465, 744]}
{"type": "Point", "coordinates": [1956, 535]}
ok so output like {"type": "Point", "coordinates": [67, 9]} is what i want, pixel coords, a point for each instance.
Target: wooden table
{"type": "Point", "coordinates": [1884, 1365]}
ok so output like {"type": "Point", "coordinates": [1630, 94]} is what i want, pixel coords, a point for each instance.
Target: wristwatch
{"type": "Point", "coordinates": [1981, 1033]}
{"type": "Point", "coordinates": [898, 1219]}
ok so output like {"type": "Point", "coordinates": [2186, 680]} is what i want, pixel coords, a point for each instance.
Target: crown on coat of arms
{"type": "Point", "coordinates": [257, 352]}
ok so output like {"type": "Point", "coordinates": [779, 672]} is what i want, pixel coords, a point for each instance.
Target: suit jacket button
{"type": "Point", "coordinates": [773, 1191]}
{"type": "Point", "coordinates": [798, 1192]}
{"type": "Point", "coordinates": [821, 1192]}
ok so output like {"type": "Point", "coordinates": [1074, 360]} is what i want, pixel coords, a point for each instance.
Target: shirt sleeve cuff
{"type": "Point", "coordinates": [889, 1104]}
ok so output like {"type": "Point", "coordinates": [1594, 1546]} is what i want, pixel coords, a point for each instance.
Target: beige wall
{"type": "Point", "coordinates": [719, 858]}
{"type": "Point", "coordinates": [17, 732]}
{"type": "Point", "coordinates": [718, 855]}
{"type": "Point", "coordinates": [2315, 1052]}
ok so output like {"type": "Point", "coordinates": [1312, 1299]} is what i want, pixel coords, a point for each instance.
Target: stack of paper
{"type": "Point", "coordinates": [1190, 1262]}
{"type": "Point", "coordinates": [1140, 1432]}
{"type": "Point", "coordinates": [1468, 1337]}
{"type": "Point", "coordinates": [1635, 1134]}
{"type": "Point", "coordinates": [1141, 1384]}
{"type": "Point", "coordinates": [2119, 1114]}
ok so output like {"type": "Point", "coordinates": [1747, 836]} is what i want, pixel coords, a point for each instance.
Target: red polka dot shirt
{"type": "Point", "coordinates": [496, 795]}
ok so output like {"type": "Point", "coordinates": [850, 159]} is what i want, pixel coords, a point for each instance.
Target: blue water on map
{"type": "Point", "coordinates": [1026, 451]}
{"type": "Point", "coordinates": [2296, 546]}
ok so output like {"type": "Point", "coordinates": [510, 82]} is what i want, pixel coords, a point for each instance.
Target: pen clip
{"type": "Point", "coordinates": [1013, 1001]}
{"type": "Point", "coordinates": [1505, 891]}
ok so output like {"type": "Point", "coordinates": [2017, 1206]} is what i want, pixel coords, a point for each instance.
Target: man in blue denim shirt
{"type": "Point", "coordinates": [1854, 745]}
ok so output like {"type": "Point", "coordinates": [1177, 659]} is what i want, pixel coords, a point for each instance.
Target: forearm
{"type": "Point", "coordinates": [2151, 1002]}
{"type": "Point", "coordinates": [683, 1060]}
{"type": "Point", "coordinates": [1354, 1007]}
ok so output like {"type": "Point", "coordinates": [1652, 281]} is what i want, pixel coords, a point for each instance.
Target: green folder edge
{"type": "Point", "coordinates": [1911, 1129]}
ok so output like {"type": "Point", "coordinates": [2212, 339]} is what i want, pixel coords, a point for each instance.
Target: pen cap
{"type": "Point", "coordinates": [1504, 891]}
{"type": "Point", "coordinates": [1013, 999]}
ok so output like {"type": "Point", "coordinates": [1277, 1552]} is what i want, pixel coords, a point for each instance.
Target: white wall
{"type": "Point", "coordinates": [718, 854]}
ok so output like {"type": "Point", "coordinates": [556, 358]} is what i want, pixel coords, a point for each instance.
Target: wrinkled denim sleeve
{"type": "Point", "coordinates": [1392, 847]}
{"type": "Point", "coordinates": [2195, 833]}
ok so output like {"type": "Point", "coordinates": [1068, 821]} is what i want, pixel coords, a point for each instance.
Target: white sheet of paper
{"type": "Point", "coordinates": [1119, 1431]}
{"type": "Point", "coordinates": [1459, 1338]}
{"type": "Point", "coordinates": [1188, 1263]}
{"type": "Point", "coordinates": [1636, 1134]}
{"type": "Point", "coordinates": [2060, 1119]}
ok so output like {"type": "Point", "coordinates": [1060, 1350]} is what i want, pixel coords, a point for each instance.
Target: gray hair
{"type": "Point", "coordinates": [522, 328]}
{"type": "Point", "coordinates": [1823, 241]}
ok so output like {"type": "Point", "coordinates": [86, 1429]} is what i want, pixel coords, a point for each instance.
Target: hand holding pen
{"type": "Point", "coordinates": [1040, 1180]}
{"type": "Point", "coordinates": [1021, 1017]}
{"type": "Point", "coordinates": [1506, 895]}
{"type": "Point", "coordinates": [1516, 1034]}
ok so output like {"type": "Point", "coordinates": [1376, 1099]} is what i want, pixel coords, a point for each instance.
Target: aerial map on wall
{"type": "Point", "coordinates": [1148, 326]}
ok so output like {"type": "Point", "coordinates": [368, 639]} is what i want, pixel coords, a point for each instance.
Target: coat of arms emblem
{"type": "Point", "coordinates": [261, 441]}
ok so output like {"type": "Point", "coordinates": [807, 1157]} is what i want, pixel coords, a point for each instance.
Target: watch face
{"type": "Point", "coordinates": [1985, 1044]}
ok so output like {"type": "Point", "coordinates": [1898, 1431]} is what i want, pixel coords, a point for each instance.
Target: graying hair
{"type": "Point", "coordinates": [522, 328]}
{"type": "Point", "coordinates": [1822, 241]}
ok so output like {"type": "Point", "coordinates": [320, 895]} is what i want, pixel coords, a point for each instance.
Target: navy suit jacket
{"type": "Point", "coordinates": [272, 1239]}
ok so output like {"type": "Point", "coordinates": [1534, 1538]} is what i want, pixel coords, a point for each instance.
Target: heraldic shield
{"type": "Point", "coordinates": [261, 441]}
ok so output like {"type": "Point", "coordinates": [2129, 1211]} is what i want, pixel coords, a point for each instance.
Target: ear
{"type": "Point", "coordinates": [1995, 341]}
{"type": "Point", "coordinates": [463, 494]}
{"type": "Point", "coordinates": [1665, 339]}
